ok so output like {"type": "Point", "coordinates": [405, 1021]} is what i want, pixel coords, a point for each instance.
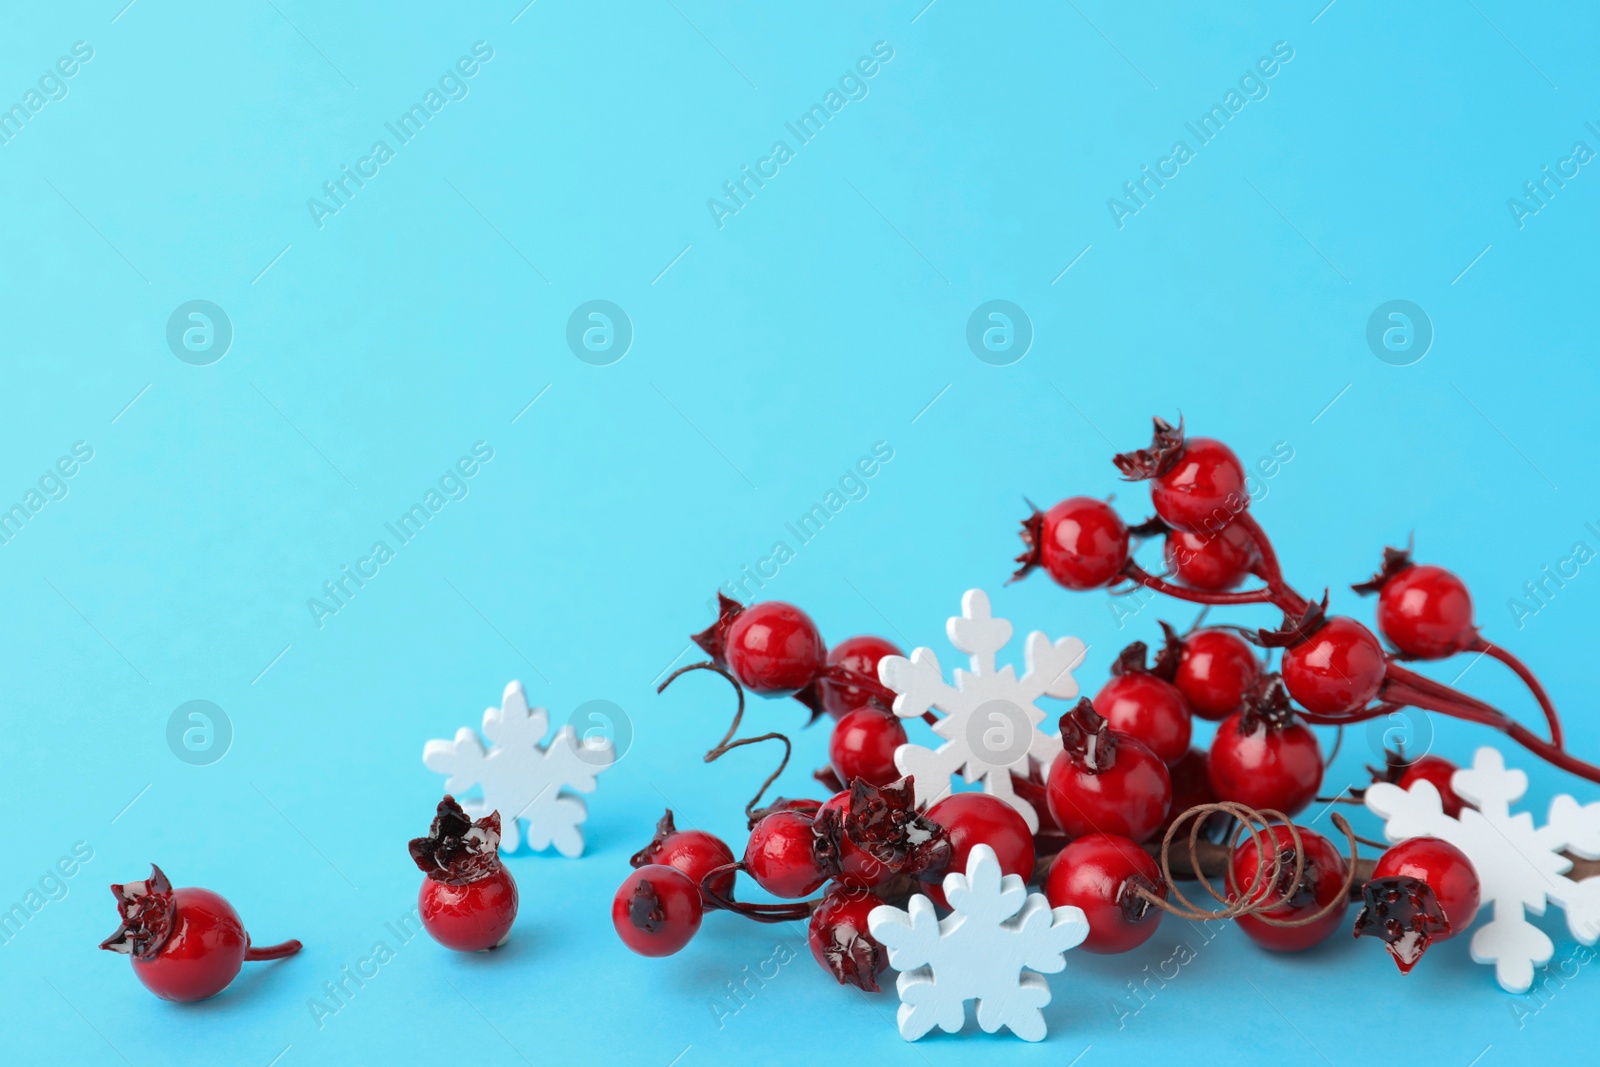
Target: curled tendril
{"type": "Point", "coordinates": [728, 744]}
{"type": "Point", "coordinates": [1256, 823]}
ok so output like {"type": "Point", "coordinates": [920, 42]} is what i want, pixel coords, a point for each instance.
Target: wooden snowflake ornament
{"type": "Point", "coordinates": [990, 718]}
{"type": "Point", "coordinates": [520, 778]}
{"type": "Point", "coordinates": [995, 949]}
{"type": "Point", "coordinates": [1520, 867]}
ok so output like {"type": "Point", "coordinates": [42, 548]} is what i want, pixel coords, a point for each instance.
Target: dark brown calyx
{"type": "Point", "coordinates": [1131, 660]}
{"type": "Point", "coordinates": [829, 779]}
{"type": "Point", "coordinates": [1087, 739]}
{"type": "Point", "coordinates": [458, 850]}
{"type": "Point", "coordinates": [1293, 631]}
{"type": "Point", "coordinates": [1395, 560]}
{"type": "Point", "coordinates": [1032, 534]}
{"type": "Point", "coordinates": [1132, 900]}
{"type": "Point", "coordinates": [713, 640]}
{"type": "Point", "coordinates": [854, 958]}
{"type": "Point", "coordinates": [644, 908]}
{"type": "Point", "coordinates": [883, 822]}
{"type": "Point", "coordinates": [148, 909]}
{"type": "Point", "coordinates": [1268, 708]}
{"type": "Point", "coordinates": [1166, 446]}
{"type": "Point", "coordinates": [1404, 914]}
{"type": "Point", "coordinates": [665, 828]}
{"type": "Point", "coordinates": [1154, 526]}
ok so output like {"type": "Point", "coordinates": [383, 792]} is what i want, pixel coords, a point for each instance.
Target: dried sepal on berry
{"type": "Point", "coordinates": [713, 640]}
{"type": "Point", "coordinates": [1293, 631]}
{"type": "Point", "coordinates": [1087, 739]}
{"type": "Point", "coordinates": [1268, 707]}
{"type": "Point", "coordinates": [883, 821]}
{"type": "Point", "coordinates": [147, 909]}
{"type": "Point", "coordinates": [1133, 659]}
{"type": "Point", "coordinates": [665, 828]}
{"type": "Point", "coordinates": [1404, 914]}
{"type": "Point", "coordinates": [644, 908]}
{"type": "Point", "coordinates": [1032, 534]}
{"type": "Point", "coordinates": [458, 850]}
{"type": "Point", "coordinates": [855, 959]}
{"type": "Point", "coordinates": [1395, 560]}
{"type": "Point", "coordinates": [1166, 446]}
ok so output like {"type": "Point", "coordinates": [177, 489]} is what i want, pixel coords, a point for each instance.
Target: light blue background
{"type": "Point", "coordinates": [768, 356]}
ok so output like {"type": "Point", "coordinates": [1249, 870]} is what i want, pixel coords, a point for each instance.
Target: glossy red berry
{"type": "Point", "coordinates": [980, 819]}
{"type": "Point", "coordinates": [657, 910]}
{"type": "Point", "coordinates": [694, 852]}
{"type": "Point", "coordinates": [468, 900]}
{"type": "Point", "coordinates": [1439, 772]}
{"type": "Point", "coordinates": [1422, 890]}
{"type": "Point", "coordinates": [1266, 757]}
{"type": "Point", "coordinates": [858, 655]}
{"type": "Point", "coordinates": [1321, 884]}
{"type": "Point", "coordinates": [863, 744]}
{"type": "Point", "coordinates": [771, 648]}
{"type": "Point", "coordinates": [841, 942]}
{"type": "Point", "coordinates": [1426, 612]}
{"type": "Point", "coordinates": [1336, 670]}
{"type": "Point", "coordinates": [1217, 672]}
{"type": "Point", "coordinates": [1101, 874]}
{"type": "Point", "coordinates": [870, 835]}
{"type": "Point", "coordinates": [1211, 561]}
{"type": "Point", "coordinates": [1081, 542]}
{"type": "Point", "coordinates": [1143, 706]}
{"type": "Point", "coordinates": [781, 855]}
{"type": "Point", "coordinates": [1106, 782]}
{"type": "Point", "coordinates": [186, 944]}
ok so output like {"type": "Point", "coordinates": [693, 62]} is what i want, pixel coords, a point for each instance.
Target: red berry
{"type": "Point", "coordinates": [694, 852]}
{"type": "Point", "coordinates": [1104, 781]}
{"type": "Point", "coordinates": [186, 944]}
{"type": "Point", "coordinates": [1321, 883]}
{"type": "Point", "coordinates": [872, 834]}
{"type": "Point", "coordinates": [1266, 757]}
{"type": "Point", "coordinates": [980, 819]}
{"type": "Point", "coordinates": [1421, 891]}
{"type": "Point", "coordinates": [863, 744]}
{"type": "Point", "coordinates": [1426, 612]}
{"type": "Point", "coordinates": [859, 655]}
{"type": "Point", "coordinates": [1336, 670]}
{"type": "Point", "coordinates": [782, 855]}
{"type": "Point", "coordinates": [840, 940]}
{"type": "Point", "coordinates": [657, 910]}
{"type": "Point", "coordinates": [1211, 561]}
{"type": "Point", "coordinates": [1439, 772]}
{"type": "Point", "coordinates": [1203, 490]}
{"type": "Point", "coordinates": [1217, 672]}
{"type": "Point", "coordinates": [1143, 706]}
{"type": "Point", "coordinates": [469, 900]}
{"type": "Point", "coordinates": [1101, 874]}
{"type": "Point", "coordinates": [1081, 542]}
{"type": "Point", "coordinates": [771, 648]}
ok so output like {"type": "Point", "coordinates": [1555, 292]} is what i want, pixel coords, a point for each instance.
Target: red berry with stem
{"type": "Point", "coordinates": [657, 910]}
{"type": "Point", "coordinates": [857, 655]}
{"type": "Point", "coordinates": [1266, 757]}
{"type": "Point", "coordinates": [1140, 704]}
{"type": "Point", "coordinates": [468, 900]}
{"type": "Point", "coordinates": [1197, 484]}
{"type": "Point", "coordinates": [1103, 874]}
{"type": "Point", "coordinates": [694, 852]}
{"type": "Point", "coordinates": [1439, 772]}
{"type": "Point", "coordinates": [1321, 884]}
{"type": "Point", "coordinates": [980, 819]}
{"type": "Point", "coordinates": [870, 835]}
{"type": "Point", "coordinates": [1426, 612]}
{"type": "Point", "coordinates": [771, 648]}
{"type": "Point", "coordinates": [1081, 542]}
{"type": "Point", "coordinates": [863, 744]}
{"type": "Point", "coordinates": [1104, 781]}
{"type": "Point", "coordinates": [841, 942]}
{"type": "Point", "coordinates": [1217, 672]}
{"type": "Point", "coordinates": [1211, 561]}
{"type": "Point", "coordinates": [186, 944]}
{"type": "Point", "coordinates": [1337, 669]}
{"type": "Point", "coordinates": [1422, 890]}
{"type": "Point", "coordinates": [782, 857]}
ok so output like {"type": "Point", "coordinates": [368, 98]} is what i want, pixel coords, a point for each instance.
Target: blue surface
{"type": "Point", "coordinates": [370, 352]}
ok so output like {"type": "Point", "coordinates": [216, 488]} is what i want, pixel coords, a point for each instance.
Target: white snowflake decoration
{"type": "Point", "coordinates": [1519, 866]}
{"type": "Point", "coordinates": [520, 778]}
{"type": "Point", "coordinates": [995, 948]}
{"type": "Point", "coordinates": [990, 717]}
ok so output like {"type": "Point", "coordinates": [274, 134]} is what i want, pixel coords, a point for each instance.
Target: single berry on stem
{"type": "Point", "coordinates": [1081, 542]}
{"type": "Point", "coordinates": [1211, 561]}
{"type": "Point", "coordinates": [1103, 874]}
{"type": "Point", "coordinates": [694, 852]}
{"type": "Point", "coordinates": [468, 900]}
{"type": "Point", "coordinates": [863, 744]}
{"type": "Point", "coordinates": [1265, 756]}
{"type": "Point", "coordinates": [1422, 890]}
{"type": "Point", "coordinates": [782, 855]}
{"type": "Point", "coordinates": [974, 818]}
{"type": "Point", "coordinates": [1335, 670]}
{"type": "Point", "coordinates": [1104, 781]}
{"type": "Point", "coordinates": [1143, 703]}
{"type": "Point", "coordinates": [771, 648]}
{"type": "Point", "coordinates": [657, 910]}
{"type": "Point", "coordinates": [1217, 672]}
{"type": "Point", "coordinates": [1321, 885]}
{"type": "Point", "coordinates": [841, 942]}
{"type": "Point", "coordinates": [854, 656]}
{"type": "Point", "coordinates": [186, 944]}
{"type": "Point", "coordinates": [1197, 484]}
{"type": "Point", "coordinates": [1424, 611]}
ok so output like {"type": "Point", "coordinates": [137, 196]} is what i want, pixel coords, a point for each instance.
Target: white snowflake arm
{"type": "Point", "coordinates": [460, 759]}
{"type": "Point", "coordinates": [911, 936]}
{"type": "Point", "coordinates": [917, 682]}
{"type": "Point", "coordinates": [1515, 947]}
{"type": "Point", "coordinates": [1049, 666]}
